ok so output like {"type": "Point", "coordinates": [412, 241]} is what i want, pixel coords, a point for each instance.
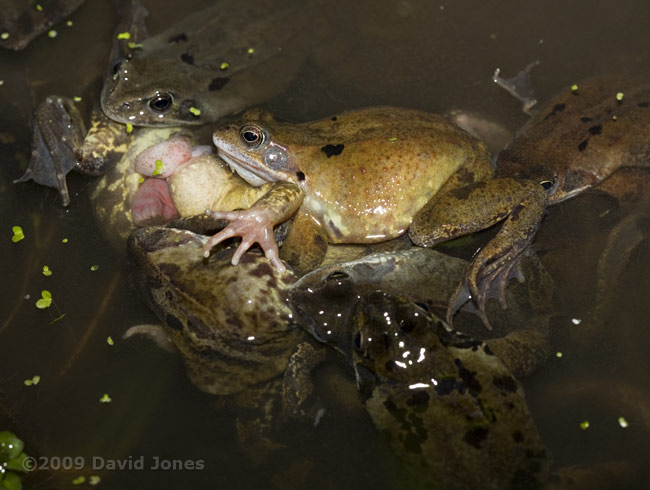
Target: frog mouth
{"type": "Point", "coordinates": [252, 173]}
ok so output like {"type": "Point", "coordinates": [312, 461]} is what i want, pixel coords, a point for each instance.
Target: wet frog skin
{"type": "Point", "coordinates": [325, 301]}
{"type": "Point", "coordinates": [370, 175]}
{"type": "Point", "coordinates": [228, 341]}
{"type": "Point", "coordinates": [215, 62]}
{"type": "Point", "coordinates": [447, 405]}
{"type": "Point", "coordinates": [581, 138]}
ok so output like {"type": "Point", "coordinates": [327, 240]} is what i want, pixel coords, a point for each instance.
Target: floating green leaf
{"type": "Point", "coordinates": [224, 65]}
{"type": "Point", "coordinates": [60, 317]}
{"type": "Point", "coordinates": [76, 98]}
{"type": "Point", "coordinates": [195, 111]}
{"type": "Point", "coordinates": [94, 480]}
{"type": "Point", "coordinates": [124, 35]}
{"type": "Point", "coordinates": [52, 33]}
{"type": "Point", "coordinates": [105, 398]}
{"type": "Point", "coordinates": [34, 381]}
{"type": "Point", "coordinates": [46, 271]}
{"type": "Point", "coordinates": [584, 425]}
{"type": "Point", "coordinates": [45, 301]}
{"type": "Point", "coordinates": [109, 340]}
{"type": "Point", "coordinates": [94, 267]}
{"type": "Point", "coordinates": [129, 128]}
{"type": "Point", "coordinates": [18, 234]}
{"type": "Point", "coordinates": [79, 480]}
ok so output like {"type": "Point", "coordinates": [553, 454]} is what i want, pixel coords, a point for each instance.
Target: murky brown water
{"type": "Point", "coordinates": [433, 56]}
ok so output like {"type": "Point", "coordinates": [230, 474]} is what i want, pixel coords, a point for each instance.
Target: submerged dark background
{"type": "Point", "coordinates": [428, 55]}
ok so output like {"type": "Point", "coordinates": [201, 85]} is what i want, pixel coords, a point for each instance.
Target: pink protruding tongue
{"type": "Point", "coordinates": [152, 204]}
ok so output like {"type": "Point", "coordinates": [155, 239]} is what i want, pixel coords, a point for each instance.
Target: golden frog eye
{"type": "Point", "coordinates": [252, 136]}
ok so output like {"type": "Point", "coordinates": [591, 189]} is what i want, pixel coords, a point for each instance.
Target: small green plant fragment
{"type": "Point", "coordinates": [69, 23]}
{"type": "Point", "coordinates": [45, 301]}
{"type": "Point", "coordinates": [47, 272]}
{"type": "Point", "coordinates": [94, 267]}
{"type": "Point", "coordinates": [558, 354]}
{"type": "Point", "coordinates": [4, 35]}
{"type": "Point", "coordinates": [224, 65]}
{"type": "Point", "coordinates": [140, 180]}
{"type": "Point", "coordinates": [195, 111]}
{"type": "Point", "coordinates": [604, 213]}
{"type": "Point", "coordinates": [110, 341]}
{"type": "Point", "coordinates": [132, 45]}
{"type": "Point", "coordinates": [52, 33]}
{"type": "Point", "coordinates": [574, 88]}
{"type": "Point", "coordinates": [584, 425]}
{"type": "Point", "coordinates": [392, 139]}
{"type": "Point", "coordinates": [124, 35]}
{"type": "Point", "coordinates": [65, 240]}
{"type": "Point", "coordinates": [34, 381]}
{"type": "Point", "coordinates": [250, 51]}
{"type": "Point", "coordinates": [39, 7]}
{"type": "Point", "coordinates": [58, 318]}
{"type": "Point", "coordinates": [18, 234]}
{"type": "Point", "coordinates": [129, 128]}
{"type": "Point", "coordinates": [76, 98]}
{"type": "Point", "coordinates": [105, 398]}
{"type": "Point", "coordinates": [159, 167]}
{"type": "Point", "coordinates": [94, 480]}
{"type": "Point", "coordinates": [623, 422]}
{"type": "Point", "coordinates": [619, 96]}
{"type": "Point", "coordinates": [80, 480]}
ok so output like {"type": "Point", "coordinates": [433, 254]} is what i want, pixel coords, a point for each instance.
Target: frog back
{"type": "Point", "coordinates": [374, 168]}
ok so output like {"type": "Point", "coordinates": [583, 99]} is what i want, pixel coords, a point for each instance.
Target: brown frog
{"type": "Point", "coordinates": [370, 175]}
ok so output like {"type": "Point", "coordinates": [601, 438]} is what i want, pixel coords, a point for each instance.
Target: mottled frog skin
{"type": "Point", "coordinates": [325, 301]}
{"type": "Point", "coordinates": [370, 175]}
{"type": "Point", "coordinates": [229, 341]}
{"type": "Point", "coordinates": [215, 62]}
{"type": "Point", "coordinates": [580, 138]}
{"type": "Point", "coordinates": [447, 405]}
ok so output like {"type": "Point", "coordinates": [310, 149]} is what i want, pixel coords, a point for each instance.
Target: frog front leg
{"type": "Point", "coordinates": [519, 203]}
{"type": "Point", "coordinates": [255, 225]}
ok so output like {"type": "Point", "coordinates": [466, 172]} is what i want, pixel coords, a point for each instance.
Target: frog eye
{"type": "Point", "coordinates": [161, 102]}
{"type": "Point", "coordinates": [252, 136]}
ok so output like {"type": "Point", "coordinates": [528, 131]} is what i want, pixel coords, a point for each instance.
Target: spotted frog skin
{"type": "Point", "coordinates": [370, 175]}
{"type": "Point", "coordinates": [446, 404]}
{"type": "Point", "coordinates": [582, 138]}
{"type": "Point", "coordinates": [213, 63]}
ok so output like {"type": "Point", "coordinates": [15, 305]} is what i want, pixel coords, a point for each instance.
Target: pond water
{"type": "Point", "coordinates": [434, 56]}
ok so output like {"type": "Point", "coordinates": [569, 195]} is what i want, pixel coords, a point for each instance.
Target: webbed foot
{"type": "Point", "coordinates": [58, 135]}
{"type": "Point", "coordinates": [253, 226]}
{"type": "Point", "coordinates": [519, 86]}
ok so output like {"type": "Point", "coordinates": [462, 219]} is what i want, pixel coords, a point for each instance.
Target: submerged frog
{"type": "Point", "coordinates": [370, 175]}
{"type": "Point", "coordinates": [228, 341]}
{"type": "Point", "coordinates": [591, 136]}
{"type": "Point", "coordinates": [215, 62]}
{"type": "Point", "coordinates": [21, 21]}
{"type": "Point", "coordinates": [325, 301]}
{"type": "Point", "coordinates": [447, 405]}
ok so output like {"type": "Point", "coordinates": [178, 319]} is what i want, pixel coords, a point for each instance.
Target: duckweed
{"type": "Point", "coordinates": [18, 234]}
{"type": "Point", "coordinates": [45, 301]}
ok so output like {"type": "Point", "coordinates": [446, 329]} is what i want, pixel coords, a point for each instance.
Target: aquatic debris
{"type": "Point", "coordinates": [109, 341]}
{"type": "Point", "coordinates": [623, 422]}
{"type": "Point", "coordinates": [105, 398]}
{"type": "Point", "coordinates": [129, 128]}
{"type": "Point", "coordinates": [124, 35]}
{"type": "Point", "coordinates": [32, 382]}
{"type": "Point", "coordinates": [195, 111]}
{"type": "Point", "coordinates": [45, 301]}
{"type": "Point", "coordinates": [584, 425]}
{"type": "Point", "coordinates": [224, 65]}
{"type": "Point", "coordinates": [47, 271]}
{"type": "Point", "coordinates": [80, 480]}
{"type": "Point", "coordinates": [94, 267]}
{"type": "Point", "coordinates": [18, 234]}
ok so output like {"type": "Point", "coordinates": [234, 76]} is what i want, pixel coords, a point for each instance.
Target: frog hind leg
{"type": "Point", "coordinates": [306, 244]}
{"type": "Point", "coordinates": [520, 204]}
{"type": "Point", "coordinates": [58, 132]}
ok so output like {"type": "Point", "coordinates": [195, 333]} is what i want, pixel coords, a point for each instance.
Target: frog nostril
{"type": "Point", "coordinates": [161, 102]}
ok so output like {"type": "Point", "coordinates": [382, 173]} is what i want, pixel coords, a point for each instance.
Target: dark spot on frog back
{"type": "Point", "coordinates": [644, 104]}
{"type": "Point", "coordinates": [556, 108]}
{"type": "Point", "coordinates": [583, 145]}
{"type": "Point", "coordinates": [468, 377]}
{"type": "Point", "coordinates": [333, 150]}
{"type": "Point", "coordinates": [187, 58]}
{"type": "Point", "coordinates": [419, 398]}
{"type": "Point", "coordinates": [218, 83]}
{"type": "Point", "coordinates": [596, 129]}
{"type": "Point", "coordinates": [475, 436]}
{"type": "Point", "coordinates": [172, 322]}
{"type": "Point", "coordinates": [505, 383]}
